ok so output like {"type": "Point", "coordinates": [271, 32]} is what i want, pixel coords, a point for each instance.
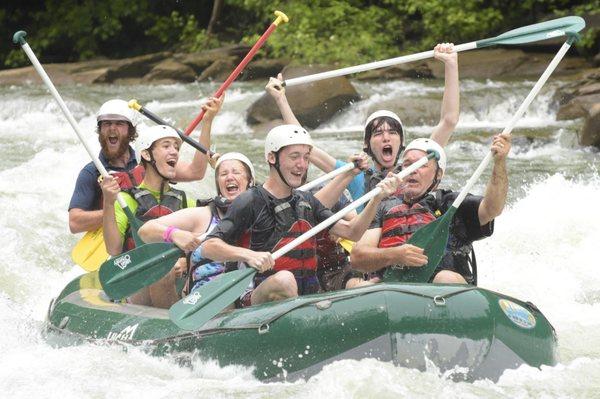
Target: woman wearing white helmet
{"type": "Point", "coordinates": [264, 218]}
{"type": "Point", "coordinates": [421, 202]}
{"type": "Point", "coordinates": [384, 134]}
{"type": "Point", "coordinates": [234, 174]}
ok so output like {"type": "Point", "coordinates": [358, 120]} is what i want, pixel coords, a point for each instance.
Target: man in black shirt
{"type": "Point", "coordinates": [265, 218]}
{"type": "Point", "coordinates": [384, 244]}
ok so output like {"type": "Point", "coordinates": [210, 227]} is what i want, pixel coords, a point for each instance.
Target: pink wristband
{"type": "Point", "coordinates": [168, 232]}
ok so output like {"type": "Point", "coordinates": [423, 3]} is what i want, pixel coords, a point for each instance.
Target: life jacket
{"type": "Point", "coordinates": [373, 177]}
{"type": "Point", "coordinates": [149, 208]}
{"type": "Point", "coordinates": [131, 178]}
{"type": "Point", "coordinates": [401, 221]}
{"type": "Point", "coordinates": [298, 215]}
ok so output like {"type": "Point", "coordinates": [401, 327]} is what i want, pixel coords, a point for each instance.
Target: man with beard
{"type": "Point", "coordinates": [116, 130]}
{"type": "Point", "coordinates": [385, 242]}
{"type": "Point", "coordinates": [384, 134]}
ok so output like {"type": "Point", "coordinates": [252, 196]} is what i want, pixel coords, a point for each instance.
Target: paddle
{"type": "Point", "coordinates": [203, 304]}
{"type": "Point", "coordinates": [133, 104]}
{"type": "Point", "coordinates": [532, 33]}
{"type": "Point", "coordinates": [327, 176]}
{"type": "Point", "coordinates": [281, 17]}
{"type": "Point", "coordinates": [90, 251]}
{"type": "Point", "coordinates": [19, 38]}
{"type": "Point", "coordinates": [433, 237]}
{"type": "Point", "coordinates": [128, 273]}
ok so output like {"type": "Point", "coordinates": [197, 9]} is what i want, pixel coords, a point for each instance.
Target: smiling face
{"type": "Point", "coordinates": [232, 178]}
{"type": "Point", "coordinates": [165, 152]}
{"type": "Point", "coordinates": [114, 138]}
{"type": "Point", "coordinates": [385, 145]}
{"type": "Point", "coordinates": [417, 183]}
{"type": "Point", "coordinates": [293, 163]}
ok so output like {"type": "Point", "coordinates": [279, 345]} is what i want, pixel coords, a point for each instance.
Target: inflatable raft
{"type": "Point", "coordinates": [469, 332]}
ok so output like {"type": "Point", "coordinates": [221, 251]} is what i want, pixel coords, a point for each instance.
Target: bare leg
{"type": "Point", "coordinates": [449, 277]}
{"type": "Point", "coordinates": [162, 293]}
{"type": "Point", "coordinates": [281, 285]}
{"type": "Point", "coordinates": [359, 282]}
{"type": "Point", "coordinates": [142, 297]}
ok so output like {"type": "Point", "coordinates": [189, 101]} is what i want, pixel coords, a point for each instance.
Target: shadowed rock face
{"type": "Point", "coordinates": [313, 103]}
{"type": "Point", "coordinates": [581, 99]}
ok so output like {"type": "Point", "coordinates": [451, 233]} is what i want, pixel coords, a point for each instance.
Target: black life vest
{"type": "Point", "coordinates": [149, 208]}
{"type": "Point", "coordinates": [373, 177]}
{"type": "Point", "coordinates": [296, 213]}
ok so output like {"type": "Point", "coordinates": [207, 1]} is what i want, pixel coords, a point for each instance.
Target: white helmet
{"type": "Point", "coordinates": [150, 135]}
{"type": "Point", "coordinates": [116, 110]}
{"type": "Point", "coordinates": [427, 145]}
{"type": "Point", "coordinates": [284, 135]}
{"type": "Point", "coordinates": [381, 113]}
{"type": "Point", "coordinates": [238, 157]}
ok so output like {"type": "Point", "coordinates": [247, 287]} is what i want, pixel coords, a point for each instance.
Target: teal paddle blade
{"type": "Point", "coordinates": [191, 312]}
{"type": "Point", "coordinates": [566, 26]}
{"type": "Point", "coordinates": [133, 270]}
{"type": "Point", "coordinates": [433, 238]}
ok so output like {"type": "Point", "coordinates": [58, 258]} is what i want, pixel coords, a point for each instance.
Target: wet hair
{"type": "Point", "coordinates": [376, 123]}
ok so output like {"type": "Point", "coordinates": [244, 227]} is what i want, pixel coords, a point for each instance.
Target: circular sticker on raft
{"type": "Point", "coordinates": [517, 314]}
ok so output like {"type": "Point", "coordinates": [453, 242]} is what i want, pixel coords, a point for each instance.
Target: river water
{"type": "Point", "coordinates": [544, 248]}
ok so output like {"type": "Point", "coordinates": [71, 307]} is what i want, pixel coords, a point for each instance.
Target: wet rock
{"type": "Point", "coordinates": [219, 70]}
{"type": "Point", "coordinates": [576, 99]}
{"type": "Point", "coordinates": [590, 134]}
{"type": "Point", "coordinates": [135, 67]}
{"type": "Point", "coordinates": [263, 69]}
{"type": "Point", "coordinates": [169, 71]}
{"type": "Point", "coordinates": [412, 111]}
{"type": "Point", "coordinates": [313, 103]}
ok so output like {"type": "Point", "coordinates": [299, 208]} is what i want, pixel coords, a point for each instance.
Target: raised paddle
{"type": "Point", "coordinates": [204, 303]}
{"type": "Point", "coordinates": [281, 17]}
{"type": "Point", "coordinates": [527, 34]}
{"type": "Point", "coordinates": [327, 176]}
{"type": "Point", "coordinates": [90, 251]}
{"type": "Point", "coordinates": [19, 38]}
{"type": "Point", "coordinates": [133, 104]}
{"type": "Point", "coordinates": [433, 237]}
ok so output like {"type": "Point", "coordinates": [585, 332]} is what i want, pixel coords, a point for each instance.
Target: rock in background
{"type": "Point", "coordinates": [313, 103]}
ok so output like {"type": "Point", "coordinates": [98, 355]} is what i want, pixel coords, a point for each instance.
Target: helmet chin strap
{"type": "Point", "coordinates": [276, 166]}
{"type": "Point", "coordinates": [153, 163]}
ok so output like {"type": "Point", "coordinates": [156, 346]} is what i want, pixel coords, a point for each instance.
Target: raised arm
{"type": "Point", "coordinates": [195, 170]}
{"type": "Point", "coordinates": [112, 236]}
{"type": "Point", "coordinates": [450, 103]}
{"type": "Point", "coordinates": [497, 188]}
{"type": "Point", "coordinates": [331, 192]}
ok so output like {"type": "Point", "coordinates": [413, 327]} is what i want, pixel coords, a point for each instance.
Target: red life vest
{"type": "Point", "coordinates": [401, 221]}
{"type": "Point", "coordinates": [303, 256]}
{"type": "Point", "coordinates": [149, 208]}
{"type": "Point", "coordinates": [131, 178]}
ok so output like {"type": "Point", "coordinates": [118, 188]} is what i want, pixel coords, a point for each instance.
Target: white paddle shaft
{"type": "Point", "coordinates": [372, 65]}
{"type": "Point", "coordinates": [327, 176]}
{"type": "Point", "coordinates": [40, 70]}
{"type": "Point", "coordinates": [508, 129]}
{"type": "Point", "coordinates": [341, 213]}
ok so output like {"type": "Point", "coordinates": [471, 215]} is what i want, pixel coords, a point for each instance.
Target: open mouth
{"type": "Point", "coordinates": [113, 140]}
{"type": "Point", "coordinates": [231, 188]}
{"type": "Point", "coordinates": [172, 163]}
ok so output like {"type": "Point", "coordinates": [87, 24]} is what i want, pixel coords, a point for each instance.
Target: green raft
{"type": "Point", "coordinates": [469, 332]}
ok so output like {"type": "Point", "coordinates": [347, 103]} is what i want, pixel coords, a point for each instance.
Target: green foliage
{"type": "Point", "coordinates": [320, 31]}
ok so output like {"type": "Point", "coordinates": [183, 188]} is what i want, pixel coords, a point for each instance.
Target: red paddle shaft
{"type": "Point", "coordinates": [281, 17]}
